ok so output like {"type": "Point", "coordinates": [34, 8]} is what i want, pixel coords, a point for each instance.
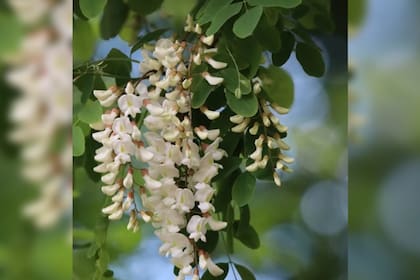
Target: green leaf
{"type": "Point", "coordinates": [144, 7]}
{"type": "Point", "coordinates": [177, 10]}
{"type": "Point", "coordinates": [92, 8]}
{"type": "Point", "coordinates": [246, 106]}
{"type": "Point", "coordinates": [248, 236]}
{"type": "Point", "coordinates": [154, 35]}
{"type": "Point", "coordinates": [246, 53]}
{"type": "Point", "coordinates": [211, 8]}
{"type": "Point", "coordinates": [118, 64]}
{"type": "Point", "coordinates": [230, 230]}
{"type": "Point", "coordinates": [115, 14]}
{"type": "Point", "coordinates": [277, 85]}
{"type": "Point", "coordinates": [91, 112]}
{"type": "Point", "coordinates": [236, 82]}
{"type": "Point", "coordinates": [84, 40]}
{"type": "Point", "coordinates": [268, 35]}
{"type": "Point", "coordinates": [244, 272]}
{"type": "Point", "coordinates": [78, 140]}
{"type": "Point", "coordinates": [11, 32]}
{"type": "Point", "coordinates": [222, 16]}
{"type": "Point", "coordinates": [287, 46]}
{"type": "Point", "coordinates": [208, 276]}
{"type": "Point", "coordinates": [243, 189]}
{"type": "Point", "coordinates": [230, 164]}
{"type": "Point", "coordinates": [275, 3]}
{"type": "Point", "coordinates": [200, 90]}
{"type": "Point", "coordinates": [244, 26]}
{"type": "Point", "coordinates": [245, 217]}
{"type": "Point", "coordinates": [311, 59]}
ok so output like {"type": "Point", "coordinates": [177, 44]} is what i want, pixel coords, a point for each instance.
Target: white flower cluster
{"type": "Point", "coordinates": [40, 70]}
{"type": "Point", "coordinates": [181, 159]}
{"type": "Point", "coordinates": [274, 142]}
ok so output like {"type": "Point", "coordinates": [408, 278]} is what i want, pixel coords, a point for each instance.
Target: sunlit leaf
{"type": "Point", "coordinates": [91, 112]}
{"type": "Point", "coordinates": [91, 8]}
{"type": "Point", "coordinates": [212, 7]}
{"type": "Point", "coordinates": [222, 16]}
{"type": "Point", "coordinates": [244, 26]}
{"type": "Point", "coordinates": [246, 106]}
{"type": "Point", "coordinates": [78, 141]}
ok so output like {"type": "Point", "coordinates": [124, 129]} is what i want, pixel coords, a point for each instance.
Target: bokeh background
{"type": "Point", "coordinates": [384, 143]}
{"type": "Point", "coordinates": [35, 129]}
{"type": "Point", "coordinates": [302, 225]}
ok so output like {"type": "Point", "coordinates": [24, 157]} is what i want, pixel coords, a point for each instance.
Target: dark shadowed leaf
{"type": "Point", "coordinates": [243, 189]}
{"type": "Point", "coordinates": [311, 59]}
{"type": "Point", "coordinates": [244, 272]}
{"type": "Point", "coordinates": [114, 16]}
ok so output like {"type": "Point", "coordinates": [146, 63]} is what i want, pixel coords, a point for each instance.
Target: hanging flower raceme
{"type": "Point", "coordinates": [40, 71]}
{"type": "Point", "coordinates": [180, 161]}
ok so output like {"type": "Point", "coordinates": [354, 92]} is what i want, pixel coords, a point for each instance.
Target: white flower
{"type": "Point", "coordinates": [279, 109]}
{"type": "Point", "coordinates": [237, 119]}
{"type": "Point", "coordinates": [106, 97]}
{"type": "Point", "coordinates": [110, 190]}
{"type": "Point", "coordinates": [130, 104]}
{"type": "Point", "coordinates": [276, 178]}
{"type": "Point", "coordinates": [119, 196]}
{"type": "Point", "coordinates": [197, 59]}
{"type": "Point", "coordinates": [128, 180]}
{"type": "Point", "coordinates": [116, 215]}
{"type": "Point", "coordinates": [257, 154]}
{"type": "Point", "coordinates": [129, 88]}
{"type": "Point", "coordinates": [136, 133]}
{"type": "Point", "coordinates": [252, 167]}
{"type": "Point", "coordinates": [109, 178]}
{"type": "Point", "coordinates": [122, 125]}
{"type": "Point", "coordinates": [197, 228]}
{"type": "Point", "coordinates": [101, 168]}
{"type": "Point", "coordinates": [111, 208]}
{"type": "Point", "coordinates": [213, 268]}
{"type": "Point", "coordinates": [254, 129]}
{"type": "Point", "coordinates": [184, 200]}
{"type": "Point", "coordinates": [207, 40]}
{"type": "Point", "coordinates": [216, 64]}
{"type": "Point", "coordinates": [211, 115]}
{"type": "Point", "coordinates": [216, 225]}
{"type": "Point", "coordinates": [108, 118]}
{"type": "Point", "coordinates": [102, 136]}
{"type": "Point", "coordinates": [212, 80]}
{"type": "Point", "coordinates": [144, 154]}
{"type": "Point", "coordinates": [241, 127]}
{"type": "Point", "coordinates": [151, 183]}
